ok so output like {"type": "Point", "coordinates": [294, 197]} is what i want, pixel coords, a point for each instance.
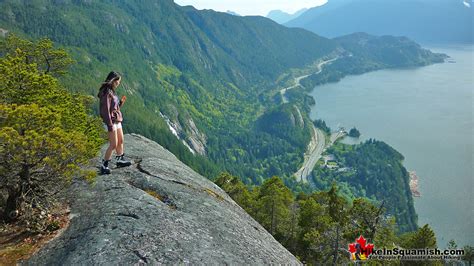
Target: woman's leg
{"type": "Point", "coordinates": [121, 162]}
{"type": "Point", "coordinates": [119, 147]}
{"type": "Point", "coordinates": [112, 144]}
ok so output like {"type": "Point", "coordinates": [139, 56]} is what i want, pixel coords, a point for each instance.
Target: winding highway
{"type": "Point", "coordinates": [312, 156]}
{"type": "Point", "coordinates": [318, 143]}
{"type": "Point", "coordinates": [316, 148]}
{"type": "Point", "coordinates": [298, 79]}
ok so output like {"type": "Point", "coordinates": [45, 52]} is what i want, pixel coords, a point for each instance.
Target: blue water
{"type": "Point", "coordinates": [426, 114]}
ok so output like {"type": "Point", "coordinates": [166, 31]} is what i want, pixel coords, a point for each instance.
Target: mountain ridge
{"type": "Point", "coordinates": [444, 21]}
{"type": "Point", "coordinates": [207, 78]}
{"type": "Point", "coordinates": [205, 71]}
{"type": "Point", "coordinates": [282, 17]}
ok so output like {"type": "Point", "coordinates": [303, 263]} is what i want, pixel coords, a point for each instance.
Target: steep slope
{"type": "Point", "coordinates": [283, 17]}
{"type": "Point", "coordinates": [439, 21]}
{"type": "Point", "coordinates": [158, 211]}
{"type": "Point", "coordinates": [203, 73]}
{"type": "Point", "coordinates": [198, 82]}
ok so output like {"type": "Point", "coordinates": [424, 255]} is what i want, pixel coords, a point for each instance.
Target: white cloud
{"type": "Point", "coordinates": [252, 7]}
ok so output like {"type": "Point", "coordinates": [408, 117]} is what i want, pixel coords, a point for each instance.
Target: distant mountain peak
{"type": "Point", "coordinates": [281, 17]}
{"type": "Point", "coordinates": [444, 21]}
{"type": "Point", "coordinates": [233, 13]}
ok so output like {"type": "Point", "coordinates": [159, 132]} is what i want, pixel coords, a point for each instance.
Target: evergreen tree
{"type": "Point", "coordinates": [339, 213]}
{"type": "Point", "coordinates": [46, 134]}
{"type": "Point", "coordinates": [452, 244]}
{"type": "Point", "coordinates": [422, 238]}
{"type": "Point", "coordinates": [236, 189]}
{"type": "Point", "coordinates": [314, 223]}
{"type": "Point", "coordinates": [47, 58]}
{"type": "Point", "coordinates": [366, 218]}
{"type": "Point", "coordinates": [385, 236]}
{"type": "Point", "coordinates": [273, 207]}
{"type": "Point", "coordinates": [468, 254]}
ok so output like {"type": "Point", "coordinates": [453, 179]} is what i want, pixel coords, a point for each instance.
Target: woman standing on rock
{"type": "Point", "coordinates": [112, 117]}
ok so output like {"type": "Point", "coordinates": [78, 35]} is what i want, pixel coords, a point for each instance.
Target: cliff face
{"type": "Point", "coordinates": [158, 211]}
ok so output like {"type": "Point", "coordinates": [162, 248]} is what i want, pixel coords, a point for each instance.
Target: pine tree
{"type": "Point", "coordinates": [46, 134]}
{"type": "Point", "coordinates": [236, 189]}
{"type": "Point", "coordinates": [366, 218]}
{"type": "Point", "coordinates": [314, 223]}
{"type": "Point", "coordinates": [273, 207]}
{"type": "Point", "coordinates": [422, 238]}
{"type": "Point", "coordinates": [468, 255]}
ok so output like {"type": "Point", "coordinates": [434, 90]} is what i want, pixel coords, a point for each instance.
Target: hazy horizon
{"type": "Point", "coordinates": [250, 7]}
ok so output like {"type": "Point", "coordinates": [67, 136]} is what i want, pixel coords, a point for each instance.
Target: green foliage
{"type": "Point", "coordinates": [364, 53]}
{"type": "Point", "coordinates": [388, 51]}
{"type": "Point", "coordinates": [354, 133]}
{"type": "Point", "coordinates": [48, 60]}
{"type": "Point", "coordinates": [273, 146]}
{"type": "Point", "coordinates": [46, 134]}
{"type": "Point", "coordinates": [373, 170]}
{"type": "Point", "coordinates": [237, 190]}
{"type": "Point", "coordinates": [367, 218]}
{"type": "Point", "coordinates": [321, 124]}
{"type": "Point", "coordinates": [317, 228]}
{"type": "Point", "coordinates": [288, 123]}
{"type": "Point", "coordinates": [185, 64]}
{"type": "Point", "coordinates": [424, 237]}
{"type": "Point", "coordinates": [452, 244]}
{"type": "Point", "coordinates": [204, 70]}
{"type": "Point", "coordinates": [273, 207]}
{"type": "Point", "coordinates": [314, 224]}
{"type": "Point", "coordinates": [468, 254]}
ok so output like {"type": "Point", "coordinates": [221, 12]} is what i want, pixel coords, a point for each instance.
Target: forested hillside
{"type": "Point", "coordinates": [318, 227]}
{"type": "Point", "coordinates": [211, 77]}
{"type": "Point", "coordinates": [206, 71]}
{"type": "Point", "coordinates": [369, 53]}
{"type": "Point", "coordinates": [371, 170]}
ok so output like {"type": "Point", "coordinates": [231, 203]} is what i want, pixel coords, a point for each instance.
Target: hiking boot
{"type": "Point", "coordinates": [121, 162]}
{"type": "Point", "coordinates": [104, 168]}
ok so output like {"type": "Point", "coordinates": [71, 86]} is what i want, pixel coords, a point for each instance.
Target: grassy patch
{"type": "Point", "coordinates": [214, 194]}
{"type": "Point", "coordinates": [12, 254]}
{"type": "Point", "coordinates": [163, 198]}
{"type": "Point", "coordinates": [154, 194]}
{"type": "Point", "coordinates": [17, 244]}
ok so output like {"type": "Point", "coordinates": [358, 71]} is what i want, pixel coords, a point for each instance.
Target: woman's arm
{"type": "Point", "coordinates": [122, 101]}
{"type": "Point", "coordinates": [105, 102]}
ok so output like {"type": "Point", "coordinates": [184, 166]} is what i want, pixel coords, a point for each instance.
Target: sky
{"type": "Point", "coordinates": [252, 7]}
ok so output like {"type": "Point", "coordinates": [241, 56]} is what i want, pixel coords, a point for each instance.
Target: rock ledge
{"type": "Point", "coordinates": [158, 211]}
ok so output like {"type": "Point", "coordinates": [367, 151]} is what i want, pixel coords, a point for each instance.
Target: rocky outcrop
{"type": "Point", "coordinates": [189, 134]}
{"type": "Point", "coordinates": [197, 139]}
{"type": "Point", "coordinates": [3, 32]}
{"type": "Point", "coordinates": [158, 211]}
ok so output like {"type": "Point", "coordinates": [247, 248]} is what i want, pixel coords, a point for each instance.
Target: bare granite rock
{"type": "Point", "coordinates": [158, 211]}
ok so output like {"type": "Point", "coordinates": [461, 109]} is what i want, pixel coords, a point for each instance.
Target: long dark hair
{"type": "Point", "coordinates": [107, 84]}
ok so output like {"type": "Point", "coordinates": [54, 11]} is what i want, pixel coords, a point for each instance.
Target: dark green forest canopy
{"type": "Point", "coordinates": [372, 170]}
{"type": "Point", "coordinates": [213, 68]}
{"type": "Point", "coordinates": [219, 72]}
{"type": "Point", "coordinates": [317, 227]}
